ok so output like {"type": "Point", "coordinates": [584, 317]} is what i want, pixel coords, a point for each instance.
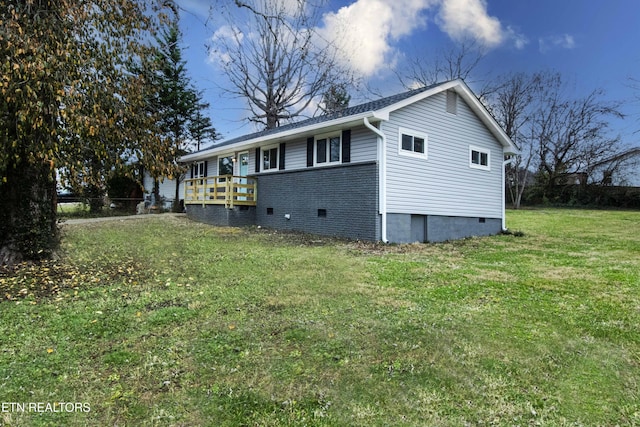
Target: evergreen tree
{"type": "Point", "coordinates": [178, 104]}
{"type": "Point", "coordinates": [200, 129]}
{"type": "Point", "coordinates": [335, 99]}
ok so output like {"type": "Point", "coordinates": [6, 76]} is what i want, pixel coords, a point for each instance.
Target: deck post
{"type": "Point", "coordinates": [229, 191]}
{"type": "Point", "coordinates": [225, 190]}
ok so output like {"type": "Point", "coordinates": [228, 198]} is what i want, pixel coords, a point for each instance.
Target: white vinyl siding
{"type": "Point", "coordinates": [166, 186]}
{"type": "Point", "coordinates": [412, 143]}
{"type": "Point", "coordinates": [296, 154]}
{"type": "Point", "coordinates": [443, 184]}
{"type": "Point", "coordinates": [363, 149]}
{"type": "Point", "coordinates": [212, 166]}
{"type": "Point", "coordinates": [364, 145]}
{"type": "Point", "coordinates": [479, 158]}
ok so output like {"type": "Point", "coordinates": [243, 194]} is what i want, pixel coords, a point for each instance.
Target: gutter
{"type": "Point", "coordinates": [259, 140]}
{"type": "Point", "coordinates": [382, 173]}
{"type": "Point", "coordinates": [504, 195]}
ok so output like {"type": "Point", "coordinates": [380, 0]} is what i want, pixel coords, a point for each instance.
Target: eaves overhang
{"type": "Point", "coordinates": [284, 136]}
{"type": "Point", "coordinates": [375, 111]}
{"type": "Point", "coordinates": [461, 88]}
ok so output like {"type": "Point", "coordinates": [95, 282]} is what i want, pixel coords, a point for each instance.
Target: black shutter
{"type": "Point", "coordinates": [281, 155]}
{"type": "Point", "coordinates": [257, 160]}
{"type": "Point", "coordinates": [192, 170]}
{"type": "Point", "coordinates": [310, 152]}
{"type": "Point", "coordinates": [346, 146]}
{"type": "Point", "coordinates": [205, 168]}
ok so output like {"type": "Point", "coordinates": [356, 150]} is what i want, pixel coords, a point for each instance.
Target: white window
{"type": "Point", "coordinates": [411, 143]}
{"type": "Point", "coordinates": [479, 158]}
{"type": "Point", "coordinates": [328, 149]}
{"type": "Point", "coordinates": [225, 165]}
{"type": "Point", "coordinates": [270, 158]}
{"type": "Point", "coordinates": [198, 170]}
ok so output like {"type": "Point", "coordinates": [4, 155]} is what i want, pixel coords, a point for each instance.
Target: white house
{"type": "Point", "coordinates": [167, 191]}
{"type": "Point", "coordinates": [424, 165]}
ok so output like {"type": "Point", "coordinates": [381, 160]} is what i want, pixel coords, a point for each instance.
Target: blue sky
{"type": "Point", "coordinates": [592, 43]}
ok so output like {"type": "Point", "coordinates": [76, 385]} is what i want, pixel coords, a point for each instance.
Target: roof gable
{"type": "Point", "coordinates": [379, 109]}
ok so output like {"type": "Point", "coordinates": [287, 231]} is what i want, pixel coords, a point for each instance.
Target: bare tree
{"type": "Point", "coordinates": [561, 138]}
{"type": "Point", "coordinates": [572, 135]}
{"type": "Point", "coordinates": [458, 61]}
{"type": "Point", "coordinates": [274, 58]}
{"type": "Point", "coordinates": [512, 99]}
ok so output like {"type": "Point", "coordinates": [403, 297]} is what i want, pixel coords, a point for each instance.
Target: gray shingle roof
{"type": "Point", "coordinates": [349, 111]}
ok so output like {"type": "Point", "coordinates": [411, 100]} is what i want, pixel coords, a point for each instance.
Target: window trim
{"type": "Point", "coordinates": [233, 163]}
{"type": "Point", "coordinates": [481, 151]}
{"type": "Point", "coordinates": [414, 134]}
{"type": "Point", "coordinates": [269, 148]}
{"type": "Point", "coordinates": [198, 170]}
{"type": "Point", "coordinates": [327, 137]}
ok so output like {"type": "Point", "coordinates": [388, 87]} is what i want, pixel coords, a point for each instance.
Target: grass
{"type": "Point", "coordinates": [164, 322]}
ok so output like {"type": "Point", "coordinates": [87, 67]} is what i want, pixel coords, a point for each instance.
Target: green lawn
{"type": "Point", "coordinates": [162, 322]}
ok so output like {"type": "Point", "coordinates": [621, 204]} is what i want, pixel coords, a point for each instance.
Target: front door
{"type": "Point", "coordinates": [244, 164]}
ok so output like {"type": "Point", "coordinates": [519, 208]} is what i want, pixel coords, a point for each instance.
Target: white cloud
{"type": "Point", "coordinates": [224, 37]}
{"type": "Point", "coordinates": [462, 19]}
{"type": "Point", "coordinates": [519, 40]}
{"type": "Point", "coordinates": [365, 30]}
{"type": "Point", "coordinates": [563, 41]}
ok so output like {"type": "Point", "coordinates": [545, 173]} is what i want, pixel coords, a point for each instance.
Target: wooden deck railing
{"type": "Point", "coordinates": [228, 190]}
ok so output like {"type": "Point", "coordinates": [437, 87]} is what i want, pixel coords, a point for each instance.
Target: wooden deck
{"type": "Point", "coordinates": [228, 190]}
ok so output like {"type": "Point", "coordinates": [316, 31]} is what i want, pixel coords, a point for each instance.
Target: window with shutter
{"type": "Point", "coordinates": [328, 149]}
{"type": "Point", "coordinates": [198, 170]}
{"type": "Point", "coordinates": [270, 158]}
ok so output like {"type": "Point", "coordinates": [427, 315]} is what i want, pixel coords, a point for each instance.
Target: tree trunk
{"type": "Point", "coordinates": [176, 200]}
{"type": "Point", "coordinates": [94, 195]}
{"type": "Point", "coordinates": [156, 202]}
{"type": "Point", "coordinates": [28, 219]}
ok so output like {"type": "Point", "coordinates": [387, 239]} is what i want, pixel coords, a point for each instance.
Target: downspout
{"type": "Point", "coordinates": [382, 173]}
{"type": "Point", "coordinates": [504, 194]}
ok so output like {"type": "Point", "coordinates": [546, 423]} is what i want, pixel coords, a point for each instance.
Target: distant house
{"type": "Point", "coordinates": [621, 169]}
{"type": "Point", "coordinates": [167, 190]}
{"type": "Point", "coordinates": [424, 165]}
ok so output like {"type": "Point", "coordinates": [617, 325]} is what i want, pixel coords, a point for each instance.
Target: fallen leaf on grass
{"type": "Point", "coordinates": [53, 278]}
